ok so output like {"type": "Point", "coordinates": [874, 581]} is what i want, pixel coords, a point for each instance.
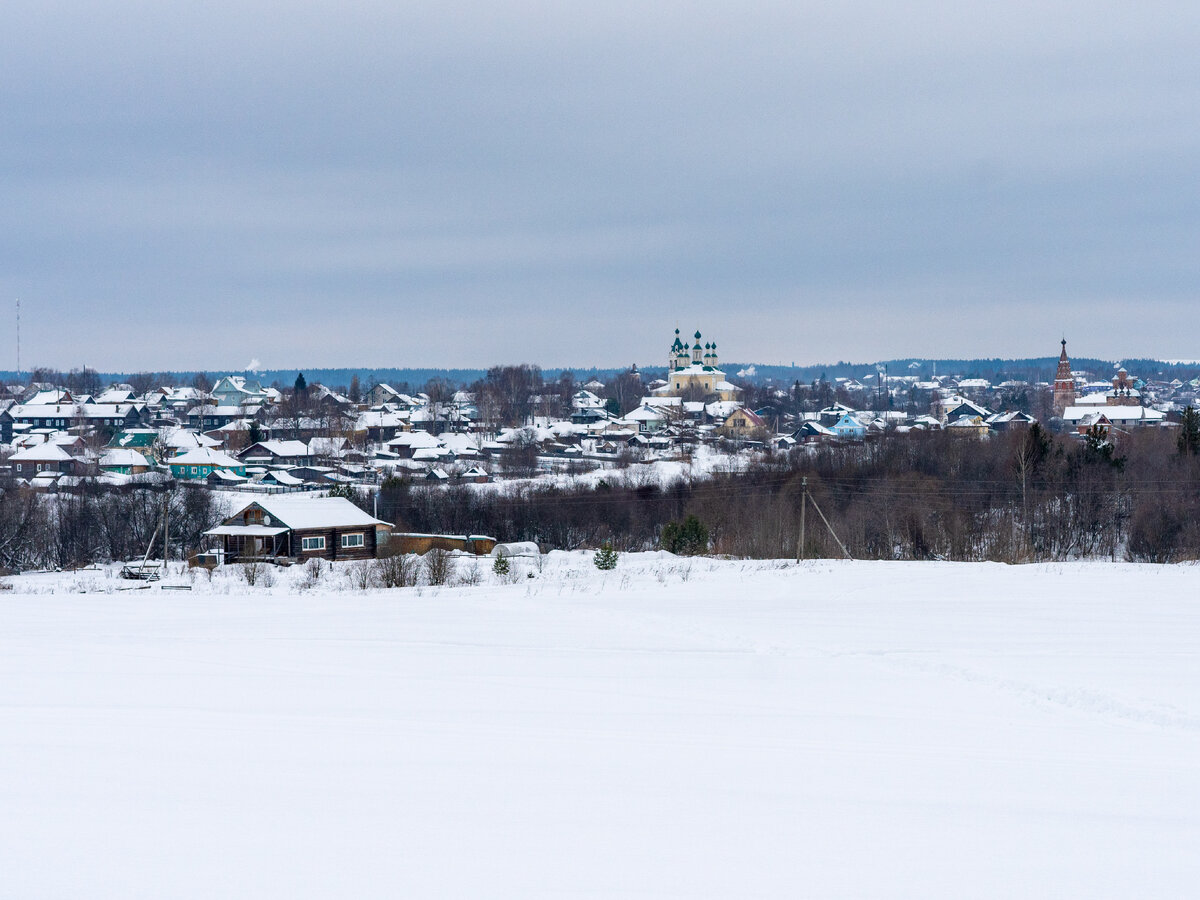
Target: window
{"type": "Point", "coordinates": [352, 540]}
{"type": "Point", "coordinates": [312, 543]}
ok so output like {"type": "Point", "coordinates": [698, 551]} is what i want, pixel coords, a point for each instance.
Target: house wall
{"type": "Point", "coordinates": [29, 468]}
{"type": "Point", "coordinates": [333, 543]}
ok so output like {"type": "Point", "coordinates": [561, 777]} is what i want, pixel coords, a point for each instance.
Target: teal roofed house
{"type": "Point", "coordinates": [134, 438]}
{"type": "Point", "coordinates": [201, 462]}
{"type": "Point", "coordinates": [123, 461]}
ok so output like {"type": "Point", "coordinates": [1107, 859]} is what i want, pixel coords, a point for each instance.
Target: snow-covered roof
{"type": "Point", "coordinates": [721, 409]}
{"type": "Point", "coordinates": [379, 419]}
{"type": "Point", "coordinates": [1099, 398]}
{"type": "Point", "coordinates": [227, 476]}
{"type": "Point", "coordinates": [279, 476]}
{"type": "Point", "coordinates": [54, 396]}
{"type": "Point", "coordinates": [415, 440]}
{"type": "Point", "coordinates": [44, 452]}
{"type": "Point", "coordinates": [123, 457]}
{"type": "Point", "coordinates": [1115, 414]}
{"type": "Point", "coordinates": [285, 448]}
{"type": "Point", "coordinates": [205, 456]}
{"type": "Point", "coordinates": [645, 414]}
{"type": "Point", "coordinates": [459, 442]}
{"type": "Point", "coordinates": [968, 422]}
{"type": "Point", "coordinates": [246, 531]}
{"type": "Point", "coordinates": [304, 512]}
{"type": "Point", "coordinates": [71, 410]}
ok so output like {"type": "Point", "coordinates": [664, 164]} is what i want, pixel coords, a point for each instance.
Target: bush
{"type": "Point", "coordinates": [689, 538]}
{"type": "Point", "coordinates": [470, 576]}
{"type": "Point", "coordinates": [438, 566]}
{"type": "Point", "coordinates": [258, 573]}
{"type": "Point", "coordinates": [396, 570]}
{"type": "Point", "coordinates": [501, 567]}
{"type": "Point", "coordinates": [605, 558]}
{"type": "Point", "coordinates": [314, 570]}
{"type": "Point", "coordinates": [1163, 532]}
{"type": "Point", "coordinates": [362, 575]}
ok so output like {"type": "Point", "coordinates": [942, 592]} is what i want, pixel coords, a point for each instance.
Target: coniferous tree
{"type": "Point", "coordinates": [689, 538]}
{"type": "Point", "coordinates": [606, 557]}
{"type": "Point", "coordinates": [1189, 432]}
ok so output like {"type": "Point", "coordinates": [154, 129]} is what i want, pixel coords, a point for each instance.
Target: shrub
{"type": "Point", "coordinates": [396, 570]}
{"type": "Point", "coordinates": [362, 575]}
{"type": "Point", "coordinates": [501, 567]}
{"type": "Point", "coordinates": [314, 570]}
{"type": "Point", "coordinates": [606, 557]}
{"type": "Point", "coordinates": [438, 566]}
{"type": "Point", "coordinates": [257, 573]}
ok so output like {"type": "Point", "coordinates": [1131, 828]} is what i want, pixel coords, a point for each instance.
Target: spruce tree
{"type": "Point", "coordinates": [1189, 432]}
{"type": "Point", "coordinates": [689, 538]}
{"type": "Point", "coordinates": [606, 557]}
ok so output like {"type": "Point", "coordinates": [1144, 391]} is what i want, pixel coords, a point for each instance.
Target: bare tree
{"type": "Point", "coordinates": [439, 566]}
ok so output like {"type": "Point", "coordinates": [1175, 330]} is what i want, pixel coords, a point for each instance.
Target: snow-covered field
{"type": "Point", "coordinates": [668, 729]}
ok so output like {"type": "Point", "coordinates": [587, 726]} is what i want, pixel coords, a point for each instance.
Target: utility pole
{"type": "Point", "coordinates": [166, 528]}
{"type": "Point", "coordinates": [805, 497]}
{"type": "Point", "coordinates": [831, 531]}
{"type": "Point", "coordinates": [803, 505]}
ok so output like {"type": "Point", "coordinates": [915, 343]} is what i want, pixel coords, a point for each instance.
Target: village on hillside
{"type": "Point", "coordinates": [237, 436]}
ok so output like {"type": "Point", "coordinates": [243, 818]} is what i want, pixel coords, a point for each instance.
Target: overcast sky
{"type": "Point", "coordinates": [195, 185]}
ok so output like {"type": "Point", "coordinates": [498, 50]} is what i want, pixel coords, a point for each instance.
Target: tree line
{"type": "Point", "coordinates": [97, 524]}
{"type": "Point", "coordinates": [1024, 496]}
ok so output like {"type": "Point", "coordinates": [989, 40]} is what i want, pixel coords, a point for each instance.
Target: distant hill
{"type": "Point", "coordinates": [995, 370]}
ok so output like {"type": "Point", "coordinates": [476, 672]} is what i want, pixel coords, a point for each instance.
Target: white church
{"type": "Point", "coordinates": [693, 370]}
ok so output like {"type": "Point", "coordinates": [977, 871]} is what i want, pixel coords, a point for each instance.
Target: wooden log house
{"type": "Point", "coordinates": [299, 527]}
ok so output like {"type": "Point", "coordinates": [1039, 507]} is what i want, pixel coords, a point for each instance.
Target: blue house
{"type": "Point", "coordinates": [849, 428]}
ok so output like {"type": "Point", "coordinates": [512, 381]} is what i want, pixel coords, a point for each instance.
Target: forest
{"type": "Point", "coordinates": [1020, 497]}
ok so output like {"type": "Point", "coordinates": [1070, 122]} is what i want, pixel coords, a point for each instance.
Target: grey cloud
{"type": "Point", "coordinates": [459, 184]}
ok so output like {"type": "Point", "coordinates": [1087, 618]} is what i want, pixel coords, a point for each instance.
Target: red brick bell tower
{"type": "Point", "coordinates": [1064, 383]}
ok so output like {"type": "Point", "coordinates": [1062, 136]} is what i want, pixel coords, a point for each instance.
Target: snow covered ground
{"type": "Point", "coordinates": [668, 729]}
